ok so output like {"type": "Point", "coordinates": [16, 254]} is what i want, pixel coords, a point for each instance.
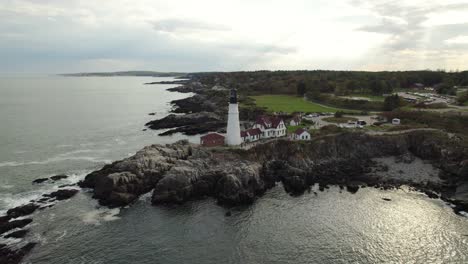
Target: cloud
{"type": "Point", "coordinates": [184, 25]}
{"type": "Point", "coordinates": [411, 37]}
{"type": "Point", "coordinates": [387, 26]}
{"type": "Point", "coordinates": [457, 40]}
{"type": "Point", "coordinates": [185, 35]}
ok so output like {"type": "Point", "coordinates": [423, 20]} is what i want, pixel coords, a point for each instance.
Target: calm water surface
{"type": "Point", "coordinates": [52, 125]}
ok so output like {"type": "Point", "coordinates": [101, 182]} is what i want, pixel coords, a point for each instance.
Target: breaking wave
{"type": "Point", "coordinates": [95, 217]}
{"type": "Point", "coordinates": [11, 200]}
{"type": "Point", "coordinates": [59, 158]}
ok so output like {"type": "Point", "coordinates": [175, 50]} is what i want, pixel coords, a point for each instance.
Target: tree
{"type": "Point", "coordinates": [376, 87]}
{"type": "Point", "coordinates": [339, 114]}
{"type": "Point", "coordinates": [392, 102]}
{"type": "Point", "coordinates": [445, 88]}
{"type": "Point", "coordinates": [462, 98]}
{"type": "Point", "coordinates": [351, 86]}
{"type": "Point", "coordinates": [301, 88]}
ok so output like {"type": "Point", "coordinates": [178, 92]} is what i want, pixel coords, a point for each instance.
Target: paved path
{"type": "Point", "coordinates": [378, 133]}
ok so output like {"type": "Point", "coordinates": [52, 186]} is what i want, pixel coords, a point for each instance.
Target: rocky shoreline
{"type": "Point", "coordinates": [14, 224]}
{"type": "Point", "coordinates": [189, 124]}
{"type": "Point", "coordinates": [207, 104]}
{"type": "Point", "coordinates": [180, 172]}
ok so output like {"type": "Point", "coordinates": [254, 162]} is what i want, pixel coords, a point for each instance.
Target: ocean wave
{"type": "Point", "coordinates": [59, 158]}
{"type": "Point", "coordinates": [96, 217]}
{"type": "Point", "coordinates": [11, 200]}
{"type": "Point", "coordinates": [64, 146]}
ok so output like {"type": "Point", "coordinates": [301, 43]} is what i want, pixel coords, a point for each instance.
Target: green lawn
{"type": "Point", "coordinates": [292, 129]}
{"type": "Point", "coordinates": [288, 103]}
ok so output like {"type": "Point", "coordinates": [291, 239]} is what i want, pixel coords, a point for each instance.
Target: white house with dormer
{"type": "Point", "coordinates": [251, 135]}
{"type": "Point", "coordinates": [270, 126]}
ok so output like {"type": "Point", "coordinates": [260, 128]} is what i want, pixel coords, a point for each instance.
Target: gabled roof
{"type": "Point", "coordinates": [251, 132]}
{"type": "Point", "coordinates": [254, 131]}
{"type": "Point", "coordinates": [299, 131]}
{"type": "Point", "coordinates": [212, 136]}
{"type": "Point", "coordinates": [268, 121]}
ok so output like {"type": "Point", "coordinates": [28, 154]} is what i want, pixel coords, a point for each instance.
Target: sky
{"type": "Point", "coordinates": [58, 36]}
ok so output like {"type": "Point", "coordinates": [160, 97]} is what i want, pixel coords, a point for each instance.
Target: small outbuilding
{"type": "Point", "coordinates": [396, 121]}
{"type": "Point", "coordinates": [295, 121]}
{"type": "Point", "coordinates": [212, 140]}
{"type": "Point", "coordinates": [301, 134]}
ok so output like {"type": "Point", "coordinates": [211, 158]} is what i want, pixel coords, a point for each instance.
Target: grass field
{"type": "Point", "coordinates": [288, 103]}
{"type": "Point", "coordinates": [292, 129]}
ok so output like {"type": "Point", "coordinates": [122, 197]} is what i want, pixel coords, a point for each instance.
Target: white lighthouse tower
{"type": "Point", "coordinates": [233, 137]}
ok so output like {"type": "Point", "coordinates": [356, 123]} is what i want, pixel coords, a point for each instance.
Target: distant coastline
{"type": "Point", "coordinates": [125, 73]}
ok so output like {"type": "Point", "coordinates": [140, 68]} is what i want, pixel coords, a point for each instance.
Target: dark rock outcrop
{"type": "Point", "coordinates": [123, 181]}
{"type": "Point", "coordinates": [9, 225]}
{"type": "Point", "coordinates": [14, 256]}
{"type": "Point", "coordinates": [196, 129]}
{"type": "Point", "coordinates": [58, 177]}
{"type": "Point", "coordinates": [195, 104]}
{"type": "Point", "coordinates": [62, 194]}
{"type": "Point", "coordinates": [17, 234]}
{"type": "Point", "coordinates": [173, 120]}
{"type": "Point", "coordinates": [189, 124]}
{"type": "Point", "coordinates": [170, 82]}
{"type": "Point", "coordinates": [22, 210]}
{"type": "Point", "coordinates": [52, 178]}
{"type": "Point", "coordinates": [40, 180]}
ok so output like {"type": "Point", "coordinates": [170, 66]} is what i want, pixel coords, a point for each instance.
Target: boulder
{"type": "Point", "coordinates": [40, 180]}
{"type": "Point", "coordinates": [14, 256]}
{"type": "Point", "coordinates": [122, 182]}
{"type": "Point", "coordinates": [7, 226]}
{"type": "Point", "coordinates": [352, 188]}
{"type": "Point", "coordinates": [173, 120]}
{"type": "Point", "coordinates": [22, 210]}
{"type": "Point", "coordinates": [62, 194]}
{"type": "Point", "coordinates": [17, 234]}
{"type": "Point", "coordinates": [58, 177]}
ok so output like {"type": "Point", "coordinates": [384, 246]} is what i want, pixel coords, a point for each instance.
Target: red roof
{"type": "Point", "coordinates": [300, 131]}
{"type": "Point", "coordinates": [212, 136]}
{"type": "Point", "coordinates": [251, 132]}
{"type": "Point", "coordinates": [268, 121]}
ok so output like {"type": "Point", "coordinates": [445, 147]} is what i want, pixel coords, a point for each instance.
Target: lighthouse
{"type": "Point", "coordinates": [233, 137]}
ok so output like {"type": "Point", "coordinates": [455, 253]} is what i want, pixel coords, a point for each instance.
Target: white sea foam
{"type": "Point", "coordinates": [9, 200]}
{"type": "Point", "coordinates": [96, 217]}
{"type": "Point", "coordinates": [58, 158]}
{"type": "Point", "coordinates": [61, 236]}
{"type": "Point", "coordinates": [64, 146]}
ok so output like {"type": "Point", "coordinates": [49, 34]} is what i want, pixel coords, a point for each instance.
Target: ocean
{"type": "Point", "coordinates": [73, 125]}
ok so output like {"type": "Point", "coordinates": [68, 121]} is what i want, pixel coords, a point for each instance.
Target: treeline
{"type": "Point", "coordinates": [333, 82]}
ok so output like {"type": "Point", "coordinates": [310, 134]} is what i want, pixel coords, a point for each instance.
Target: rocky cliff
{"type": "Point", "coordinates": [179, 172]}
